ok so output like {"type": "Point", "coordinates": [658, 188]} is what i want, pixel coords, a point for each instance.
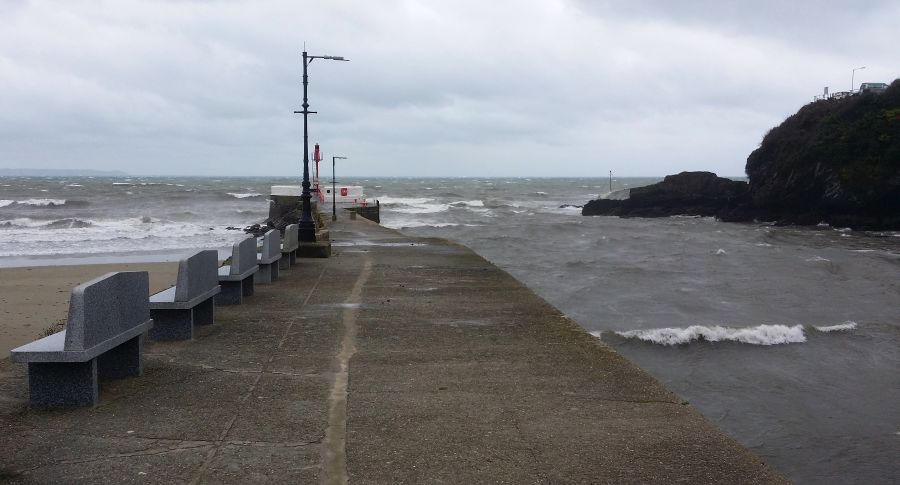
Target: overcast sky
{"type": "Point", "coordinates": [434, 88]}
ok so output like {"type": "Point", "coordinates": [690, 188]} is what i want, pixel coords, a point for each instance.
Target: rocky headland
{"type": "Point", "coordinates": [835, 161]}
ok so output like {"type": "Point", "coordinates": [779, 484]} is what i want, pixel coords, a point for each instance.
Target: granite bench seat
{"type": "Point", "coordinates": [190, 302]}
{"type": "Point", "coordinates": [104, 338]}
{"type": "Point", "coordinates": [290, 243]}
{"type": "Point", "coordinates": [268, 258]}
{"type": "Point", "coordinates": [236, 279]}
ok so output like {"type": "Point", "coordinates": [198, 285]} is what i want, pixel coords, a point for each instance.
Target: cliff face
{"type": "Point", "coordinates": [835, 160]}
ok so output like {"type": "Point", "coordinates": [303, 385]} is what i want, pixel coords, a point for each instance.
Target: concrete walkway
{"type": "Point", "coordinates": [398, 360]}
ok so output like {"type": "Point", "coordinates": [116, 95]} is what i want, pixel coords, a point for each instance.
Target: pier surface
{"type": "Point", "coordinates": [398, 360]}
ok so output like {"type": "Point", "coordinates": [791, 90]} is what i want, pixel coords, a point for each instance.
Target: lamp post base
{"type": "Point", "coordinates": [307, 231]}
{"type": "Point", "coordinates": [315, 249]}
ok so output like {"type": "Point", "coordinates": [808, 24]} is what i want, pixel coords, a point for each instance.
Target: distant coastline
{"type": "Point", "coordinates": [61, 172]}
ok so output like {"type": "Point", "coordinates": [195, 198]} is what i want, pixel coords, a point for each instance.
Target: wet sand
{"type": "Point", "coordinates": [34, 298]}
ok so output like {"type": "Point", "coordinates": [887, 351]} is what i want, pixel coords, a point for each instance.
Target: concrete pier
{"type": "Point", "coordinates": [397, 360]}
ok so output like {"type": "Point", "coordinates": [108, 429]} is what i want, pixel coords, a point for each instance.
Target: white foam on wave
{"type": "Point", "coordinates": [74, 185]}
{"type": "Point", "coordinates": [468, 203]}
{"type": "Point", "coordinates": [388, 200]}
{"type": "Point", "coordinates": [41, 202]}
{"type": "Point", "coordinates": [409, 224]}
{"type": "Point", "coordinates": [423, 209]}
{"type": "Point", "coordinates": [841, 327]}
{"type": "Point", "coordinates": [817, 259]}
{"type": "Point", "coordinates": [21, 222]}
{"type": "Point", "coordinates": [36, 237]}
{"type": "Point", "coordinates": [244, 195]}
{"type": "Point", "coordinates": [758, 335]}
{"type": "Point", "coordinates": [412, 205]}
{"type": "Point", "coordinates": [4, 203]}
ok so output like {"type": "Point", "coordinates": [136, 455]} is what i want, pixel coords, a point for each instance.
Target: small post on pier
{"type": "Point", "coordinates": [610, 181]}
{"type": "Point", "coordinates": [333, 185]}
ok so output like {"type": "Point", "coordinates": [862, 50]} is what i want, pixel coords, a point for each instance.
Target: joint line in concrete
{"type": "Point", "coordinates": [334, 450]}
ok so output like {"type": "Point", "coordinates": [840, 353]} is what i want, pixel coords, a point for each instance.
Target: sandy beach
{"type": "Point", "coordinates": [34, 298]}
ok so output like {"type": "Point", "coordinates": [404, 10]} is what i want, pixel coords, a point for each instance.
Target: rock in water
{"type": "Point", "coordinates": [687, 193]}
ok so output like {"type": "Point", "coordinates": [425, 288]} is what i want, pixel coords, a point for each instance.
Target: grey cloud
{"type": "Point", "coordinates": [485, 88]}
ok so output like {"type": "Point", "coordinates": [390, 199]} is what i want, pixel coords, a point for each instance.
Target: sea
{"type": "Point", "coordinates": [787, 338]}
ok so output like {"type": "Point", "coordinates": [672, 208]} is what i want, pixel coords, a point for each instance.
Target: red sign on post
{"type": "Point", "coordinates": [343, 191]}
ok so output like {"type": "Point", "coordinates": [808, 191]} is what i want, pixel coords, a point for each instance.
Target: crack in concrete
{"type": "Point", "coordinates": [154, 451]}
{"type": "Point", "coordinates": [221, 440]}
{"type": "Point", "coordinates": [335, 452]}
{"type": "Point", "coordinates": [180, 445]}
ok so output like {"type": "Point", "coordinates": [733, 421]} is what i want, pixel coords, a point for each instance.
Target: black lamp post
{"type": "Point", "coordinates": [307, 224]}
{"type": "Point", "coordinates": [333, 182]}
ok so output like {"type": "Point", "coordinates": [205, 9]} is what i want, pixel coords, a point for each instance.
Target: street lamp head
{"type": "Point", "coordinates": [331, 58]}
{"type": "Point", "coordinates": [339, 158]}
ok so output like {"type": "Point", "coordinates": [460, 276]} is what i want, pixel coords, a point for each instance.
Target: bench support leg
{"type": "Point", "coordinates": [124, 360]}
{"type": "Point", "coordinates": [294, 258]}
{"type": "Point", "coordinates": [205, 313]}
{"type": "Point", "coordinates": [264, 275]}
{"type": "Point", "coordinates": [247, 286]}
{"type": "Point", "coordinates": [171, 325]}
{"type": "Point", "coordinates": [231, 293]}
{"type": "Point", "coordinates": [285, 261]}
{"type": "Point", "coordinates": [57, 384]}
{"type": "Point", "coordinates": [275, 270]}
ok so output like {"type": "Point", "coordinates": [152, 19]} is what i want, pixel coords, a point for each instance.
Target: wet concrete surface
{"type": "Point", "coordinates": [397, 360]}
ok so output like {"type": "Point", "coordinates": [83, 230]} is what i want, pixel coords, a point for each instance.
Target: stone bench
{"type": "Point", "coordinates": [289, 245]}
{"type": "Point", "coordinates": [190, 302]}
{"type": "Point", "coordinates": [236, 279]}
{"type": "Point", "coordinates": [268, 258]}
{"type": "Point", "coordinates": [104, 338]}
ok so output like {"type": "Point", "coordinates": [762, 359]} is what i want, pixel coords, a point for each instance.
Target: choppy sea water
{"type": "Point", "coordinates": [787, 338]}
{"type": "Point", "coordinates": [83, 217]}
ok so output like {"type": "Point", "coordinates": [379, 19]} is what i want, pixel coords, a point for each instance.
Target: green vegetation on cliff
{"type": "Point", "coordinates": [834, 161]}
{"type": "Point", "coordinates": [838, 160]}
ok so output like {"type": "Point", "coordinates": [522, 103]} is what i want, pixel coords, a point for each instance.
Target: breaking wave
{"type": "Point", "coordinates": [413, 205]}
{"type": "Point", "coordinates": [244, 195]}
{"type": "Point", "coordinates": [388, 200]}
{"type": "Point", "coordinates": [468, 203]}
{"type": "Point", "coordinates": [36, 202]}
{"type": "Point", "coordinates": [842, 327]}
{"type": "Point", "coordinates": [68, 223]}
{"type": "Point", "coordinates": [758, 335]}
{"type": "Point", "coordinates": [28, 223]}
{"type": "Point", "coordinates": [408, 224]}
